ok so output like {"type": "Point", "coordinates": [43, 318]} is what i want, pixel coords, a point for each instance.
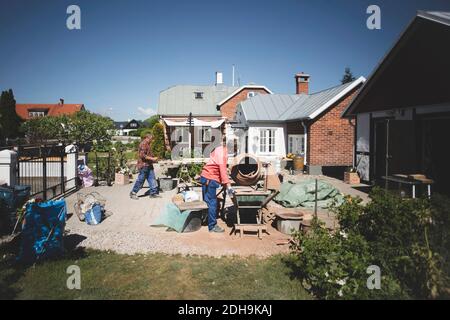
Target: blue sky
{"type": "Point", "coordinates": [128, 51]}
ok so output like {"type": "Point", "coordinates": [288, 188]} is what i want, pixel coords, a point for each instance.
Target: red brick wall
{"type": "Point", "coordinates": [331, 138]}
{"type": "Point", "coordinates": [302, 87]}
{"type": "Point", "coordinates": [228, 109]}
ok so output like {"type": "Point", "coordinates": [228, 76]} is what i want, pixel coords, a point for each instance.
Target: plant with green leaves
{"type": "Point", "coordinates": [82, 127]}
{"type": "Point", "coordinates": [9, 120]}
{"type": "Point", "coordinates": [348, 76]}
{"type": "Point", "coordinates": [158, 145]}
{"type": "Point", "coordinates": [150, 122]}
{"type": "Point", "coordinates": [407, 238]}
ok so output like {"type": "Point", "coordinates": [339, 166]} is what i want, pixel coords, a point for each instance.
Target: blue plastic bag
{"type": "Point", "coordinates": [94, 215]}
{"type": "Point", "coordinates": [43, 230]}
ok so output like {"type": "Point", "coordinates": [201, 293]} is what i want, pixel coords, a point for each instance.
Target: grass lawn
{"type": "Point", "coordinates": [106, 275]}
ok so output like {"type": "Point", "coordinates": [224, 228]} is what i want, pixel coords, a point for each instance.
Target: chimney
{"type": "Point", "coordinates": [219, 78]}
{"type": "Point", "coordinates": [61, 101]}
{"type": "Point", "coordinates": [302, 83]}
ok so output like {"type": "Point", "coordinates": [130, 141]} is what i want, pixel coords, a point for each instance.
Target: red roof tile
{"type": "Point", "coordinates": [57, 109]}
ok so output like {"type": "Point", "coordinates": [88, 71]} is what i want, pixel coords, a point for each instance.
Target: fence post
{"type": "Point", "coordinates": [44, 173]}
{"type": "Point", "coordinates": [71, 170]}
{"type": "Point", "coordinates": [62, 172]}
{"type": "Point", "coordinates": [8, 167]}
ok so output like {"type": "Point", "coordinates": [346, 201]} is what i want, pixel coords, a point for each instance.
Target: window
{"type": "Point", "coordinates": [296, 144]}
{"type": "Point", "coordinates": [267, 140]}
{"type": "Point", "coordinates": [198, 95]}
{"type": "Point", "coordinates": [36, 114]}
{"type": "Point", "coordinates": [205, 135]}
{"type": "Point", "coordinates": [251, 94]}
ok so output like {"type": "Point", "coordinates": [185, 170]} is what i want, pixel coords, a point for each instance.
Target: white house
{"type": "Point", "coordinates": [304, 124]}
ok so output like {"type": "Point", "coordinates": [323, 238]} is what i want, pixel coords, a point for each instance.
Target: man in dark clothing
{"type": "Point", "coordinates": [146, 170]}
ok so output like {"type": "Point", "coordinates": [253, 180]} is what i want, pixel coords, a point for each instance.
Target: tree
{"type": "Point", "coordinates": [40, 130]}
{"type": "Point", "coordinates": [158, 145]}
{"type": "Point", "coordinates": [152, 121]}
{"type": "Point", "coordinates": [85, 126]}
{"type": "Point", "coordinates": [9, 120]}
{"type": "Point", "coordinates": [348, 76]}
{"type": "Point", "coordinates": [81, 127]}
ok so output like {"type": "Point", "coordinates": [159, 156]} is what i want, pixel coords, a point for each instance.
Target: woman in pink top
{"type": "Point", "coordinates": [214, 175]}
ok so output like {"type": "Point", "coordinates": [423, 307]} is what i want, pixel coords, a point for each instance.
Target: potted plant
{"type": "Point", "coordinates": [351, 176]}
{"type": "Point", "coordinates": [122, 176]}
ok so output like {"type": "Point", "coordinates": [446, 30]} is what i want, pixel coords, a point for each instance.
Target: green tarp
{"type": "Point", "coordinates": [302, 194]}
{"type": "Point", "coordinates": [172, 217]}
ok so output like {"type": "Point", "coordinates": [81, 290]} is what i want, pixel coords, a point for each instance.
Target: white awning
{"type": "Point", "coordinates": [195, 122]}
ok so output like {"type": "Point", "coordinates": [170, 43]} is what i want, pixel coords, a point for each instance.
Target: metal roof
{"type": "Point", "coordinates": [268, 107]}
{"type": "Point", "coordinates": [277, 107]}
{"type": "Point", "coordinates": [437, 16]}
{"type": "Point", "coordinates": [180, 100]}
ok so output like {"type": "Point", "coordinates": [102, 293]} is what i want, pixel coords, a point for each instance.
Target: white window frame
{"type": "Point", "coordinates": [251, 94]}
{"type": "Point", "coordinates": [202, 134]}
{"type": "Point", "coordinates": [290, 145]}
{"type": "Point", "coordinates": [36, 114]}
{"type": "Point", "coordinates": [267, 140]}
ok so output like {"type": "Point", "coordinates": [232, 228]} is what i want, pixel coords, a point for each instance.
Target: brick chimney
{"type": "Point", "coordinates": [302, 83]}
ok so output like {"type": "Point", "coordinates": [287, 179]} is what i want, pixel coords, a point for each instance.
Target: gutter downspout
{"type": "Point", "coordinates": [305, 129]}
{"type": "Point", "coordinates": [354, 142]}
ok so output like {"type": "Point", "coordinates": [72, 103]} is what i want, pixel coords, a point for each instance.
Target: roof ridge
{"type": "Point", "coordinates": [330, 88]}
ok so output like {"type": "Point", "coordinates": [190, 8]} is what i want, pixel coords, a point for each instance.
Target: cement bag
{"type": "Point", "coordinates": [42, 231]}
{"type": "Point", "coordinates": [302, 194]}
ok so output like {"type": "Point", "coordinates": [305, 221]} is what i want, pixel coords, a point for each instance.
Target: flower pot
{"type": "Point", "coordinates": [352, 178]}
{"type": "Point", "coordinates": [122, 179]}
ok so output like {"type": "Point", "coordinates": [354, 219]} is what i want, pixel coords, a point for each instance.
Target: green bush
{"type": "Point", "coordinates": [408, 240]}
{"type": "Point", "coordinates": [158, 145]}
{"type": "Point", "coordinates": [150, 122]}
{"type": "Point", "coordinates": [193, 170]}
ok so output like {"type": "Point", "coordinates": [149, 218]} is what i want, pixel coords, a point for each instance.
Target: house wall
{"type": "Point", "coordinates": [280, 141]}
{"type": "Point", "coordinates": [331, 138]}
{"type": "Point", "coordinates": [294, 128]}
{"type": "Point", "coordinates": [365, 152]}
{"type": "Point", "coordinates": [228, 109]}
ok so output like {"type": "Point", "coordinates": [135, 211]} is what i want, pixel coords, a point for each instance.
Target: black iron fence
{"type": "Point", "coordinates": [45, 169]}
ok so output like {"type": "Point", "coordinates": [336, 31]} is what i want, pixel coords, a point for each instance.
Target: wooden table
{"type": "Point", "coordinates": [410, 180]}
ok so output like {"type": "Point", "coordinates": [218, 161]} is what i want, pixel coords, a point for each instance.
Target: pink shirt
{"type": "Point", "coordinates": [216, 168]}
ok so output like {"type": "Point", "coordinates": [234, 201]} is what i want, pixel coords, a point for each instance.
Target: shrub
{"type": "Point", "coordinates": [407, 239]}
{"type": "Point", "coordinates": [150, 122]}
{"type": "Point", "coordinates": [158, 145]}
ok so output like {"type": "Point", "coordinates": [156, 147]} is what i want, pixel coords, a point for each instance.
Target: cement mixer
{"type": "Point", "coordinates": [246, 170]}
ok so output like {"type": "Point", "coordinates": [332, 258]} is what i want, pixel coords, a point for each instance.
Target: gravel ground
{"type": "Point", "coordinates": [128, 228]}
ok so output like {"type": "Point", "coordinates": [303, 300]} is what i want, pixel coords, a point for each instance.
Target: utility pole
{"type": "Point", "coordinates": [233, 76]}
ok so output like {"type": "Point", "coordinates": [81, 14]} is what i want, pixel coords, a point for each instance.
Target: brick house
{"type": "Point", "coordinates": [210, 109]}
{"type": "Point", "coordinates": [27, 111]}
{"type": "Point", "coordinates": [304, 124]}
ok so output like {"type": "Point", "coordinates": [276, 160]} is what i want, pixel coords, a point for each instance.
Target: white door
{"type": "Point", "coordinates": [296, 144]}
